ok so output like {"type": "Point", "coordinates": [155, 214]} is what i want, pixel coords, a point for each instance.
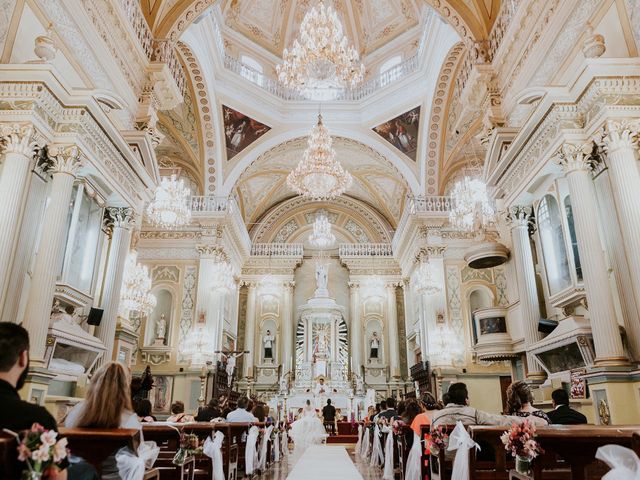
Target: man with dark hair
{"type": "Point", "coordinates": [16, 414]}
{"type": "Point", "coordinates": [383, 407]}
{"type": "Point", "coordinates": [210, 411]}
{"type": "Point", "coordinates": [390, 412]}
{"type": "Point", "coordinates": [240, 414]}
{"type": "Point", "coordinates": [329, 412]}
{"type": "Point", "coordinates": [458, 408]}
{"type": "Point", "coordinates": [562, 414]}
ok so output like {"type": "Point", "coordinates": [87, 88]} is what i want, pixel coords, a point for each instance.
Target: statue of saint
{"type": "Point", "coordinates": [161, 327]}
{"type": "Point", "coordinates": [267, 342]}
{"type": "Point", "coordinates": [359, 385]}
{"type": "Point", "coordinates": [322, 274]}
{"type": "Point", "coordinates": [375, 346]}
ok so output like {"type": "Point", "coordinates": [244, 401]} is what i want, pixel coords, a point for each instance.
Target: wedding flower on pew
{"type": "Point", "coordinates": [189, 446]}
{"type": "Point", "coordinates": [520, 440]}
{"type": "Point", "coordinates": [41, 450]}
{"type": "Point", "coordinates": [438, 439]}
{"type": "Point", "coordinates": [397, 426]}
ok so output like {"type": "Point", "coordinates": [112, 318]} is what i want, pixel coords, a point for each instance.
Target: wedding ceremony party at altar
{"type": "Point", "coordinates": [320, 239]}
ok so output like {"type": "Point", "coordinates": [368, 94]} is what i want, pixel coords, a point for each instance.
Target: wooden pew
{"type": "Point", "coordinates": [10, 467]}
{"type": "Point", "coordinates": [168, 439]}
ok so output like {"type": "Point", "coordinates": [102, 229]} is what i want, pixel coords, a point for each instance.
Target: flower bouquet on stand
{"type": "Point", "coordinates": [189, 446]}
{"type": "Point", "coordinates": [520, 441]}
{"type": "Point", "coordinates": [41, 451]}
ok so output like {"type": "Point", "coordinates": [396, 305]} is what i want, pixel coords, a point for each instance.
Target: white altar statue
{"type": "Point", "coordinates": [322, 279]}
{"type": "Point", "coordinates": [161, 327]}
{"type": "Point", "coordinates": [267, 342]}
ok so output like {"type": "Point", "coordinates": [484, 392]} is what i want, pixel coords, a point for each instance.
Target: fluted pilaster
{"type": "Point", "coordinates": [521, 219]}
{"type": "Point", "coordinates": [18, 148]}
{"type": "Point", "coordinates": [119, 223]}
{"type": "Point", "coordinates": [575, 160]}
{"type": "Point", "coordinates": [64, 165]}
{"type": "Point", "coordinates": [249, 332]}
{"type": "Point", "coordinates": [287, 327]}
{"type": "Point", "coordinates": [356, 327]}
{"type": "Point", "coordinates": [392, 328]}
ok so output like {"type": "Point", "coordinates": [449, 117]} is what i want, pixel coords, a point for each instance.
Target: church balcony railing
{"type": "Point", "coordinates": [206, 205]}
{"type": "Point", "coordinates": [277, 249]}
{"type": "Point", "coordinates": [432, 205]}
{"type": "Point", "coordinates": [139, 25]}
{"type": "Point", "coordinates": [365, 250]}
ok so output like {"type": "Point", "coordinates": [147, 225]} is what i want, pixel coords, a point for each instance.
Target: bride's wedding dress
{"type": "Point", "coordinates": [308, 430]}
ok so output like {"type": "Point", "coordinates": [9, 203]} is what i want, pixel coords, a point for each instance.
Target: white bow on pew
{"type": "Point", "coordinates": [251, 450]}
{"type": "Point", "coordinates": [388, 457]}
{"type": "Point", "coordinates": [377, 455]}
{"type": "Point", "coordinates": [624, 463]}
{"type": "Point", "coordinates": [276, 447]}
{"type": "Point", "coordinates": [262, 462]}
{"type": "Point", "coordinates": [132, 466]}
{"type": "Point", "coordinates": [366, 443]}
{"type": "Point", "coordinates": [213, 450]}
{"type": "Point", "coordinates": [359, 443]}
{"type": "Point", "coordinates": [461, 441]}
{"type": "Point", "coordinates": [413, 470]}
{"type": "Point", "coordinates": [285, 444]}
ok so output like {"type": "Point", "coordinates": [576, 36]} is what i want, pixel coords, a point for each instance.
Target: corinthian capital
{"type": "Point", "coordinates": [17, 138]}
{"type": "Point", "coordinates": [117, 217]}
{"type": "Point", "coordinates": [65, 159]}
{"type": "Point", "coordinates": [620, 134]}
{"type": "Point", "coordinates": [215, 252]}
{"type": "Point", "coordinates": [520, 216]}
{"type": "Point", "coordinates": [575, 157]}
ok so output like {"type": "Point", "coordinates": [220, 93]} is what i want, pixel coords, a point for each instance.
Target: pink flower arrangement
{"type": "Point", "coordinates": [40, 449]}
{"type": "Point", "coordinates": [437, 439]}
{"type": "Point", "coordinates": [520, 440]}
{"type": "Point", "coordinates": [397, 426]}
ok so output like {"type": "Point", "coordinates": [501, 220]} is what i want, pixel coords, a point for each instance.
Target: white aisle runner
{"type": "Point", "coordinates": [323, 462]}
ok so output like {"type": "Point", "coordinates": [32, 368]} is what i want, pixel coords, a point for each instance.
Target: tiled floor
{"type": "Point", "coordinates": [280, 470]}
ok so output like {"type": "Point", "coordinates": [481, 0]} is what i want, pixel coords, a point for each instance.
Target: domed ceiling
{"type": "Point", "coordinates": [375, 181]}
{"type": "Point", "coordinates": [368, 24]}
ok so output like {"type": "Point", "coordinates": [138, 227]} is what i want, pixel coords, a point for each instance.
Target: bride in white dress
{"type": "Point", "coordinates": [308, 430]}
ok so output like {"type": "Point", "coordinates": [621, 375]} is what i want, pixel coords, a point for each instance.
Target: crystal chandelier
{"type": "Point", "coordinates": [136, 288]}
{"type": "Point", "coordinates": [319, 175]}
{"type": "Point", "coordinates": [320, 63]}
{"type": "Point", "coordinates": [199, 346]}
{"type": "Point", "coordinates": [425, 283]}
{"type": "Point", "coordinates": [470, 201]}
{"type": "Point", "coordinates": [222, 277]}
{"type": "Point", "coordinates": [322, 237]}
{"type": "Point", "coordinates": [170, 206]}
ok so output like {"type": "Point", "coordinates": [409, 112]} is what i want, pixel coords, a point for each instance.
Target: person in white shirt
{"type": "Point", "coordinates": [240, 414]}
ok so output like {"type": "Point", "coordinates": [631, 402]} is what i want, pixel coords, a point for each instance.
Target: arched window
{"type": "Point", "coordinates": [553, 245]}
{"type": "Point", "coordinates": [252, 70]}
{"type": "Point", "coordinates": [390, 70]}
{"type": "Point", "coordinates": [572, 234]}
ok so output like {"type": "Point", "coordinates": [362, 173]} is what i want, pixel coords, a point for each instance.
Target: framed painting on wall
{"type": "Point", "coordinates": [160, 395]}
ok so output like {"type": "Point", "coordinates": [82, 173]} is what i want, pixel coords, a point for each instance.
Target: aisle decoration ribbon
{"type": "Point", "coordinates": [213, 450]}
{"type": "Point", "coordinates": [461, 441]}
{"type": "Point", "coordinates": [413, 470]}
{"type": "Point", "coordinates": [624, 463]}
{"type": "Point", "coordinates": [251, 451]}
{"type": "Point", "coordinates": [388, 457]}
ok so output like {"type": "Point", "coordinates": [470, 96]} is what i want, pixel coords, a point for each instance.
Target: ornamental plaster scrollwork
{"type": "Point", "coordinates": [620, 134]}
{"type": "Point", "coordinates": [572, 157]}
{"type": "Point", "coordinates": [65, 159]}
{"type": "Point", "coordinates": [213, 252]}
{"type": "Point", "coordinates": [117, 217]}
{"type": "Point", "coordinates": [17, 138]}
{"type": "Point", "coordinates": [168, 254]}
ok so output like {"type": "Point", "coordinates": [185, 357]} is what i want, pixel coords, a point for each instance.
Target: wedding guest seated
{"type": "Point", "coordinates": [562, 414]}
{"type": "Point", "coordinates": [389, 413]}
{"type": "Point", "coordinates": [380, 407]}
{"type": "Point", "coordinates": [458, 408]}
{"type": "Point", "coordinates": [143, 410]}
{"type": "Point", "coordinates": [107, 405]}
{"type": "Point", "coordinates": [209, 411]}
{"type": "Point", "coordinates": [429, 408]}
{"type": "Point", "coordinates": [371, 411]}
{"type": "Point", "coordinates": [240, 414]}
{"type": "Point", "coordinates": [519, 400]}
{"type": "Point", "coordinates": [178, 415]}
{"type": "Point", "coordinates": [259, 412]}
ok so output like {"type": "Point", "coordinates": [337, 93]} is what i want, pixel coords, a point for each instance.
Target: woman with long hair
{"type": "Point", "coordinates": [107, 405]}
{"type": "Point", "coordinates": [519, 403]}
{"type": "Point", "coordinates": [429, 406]}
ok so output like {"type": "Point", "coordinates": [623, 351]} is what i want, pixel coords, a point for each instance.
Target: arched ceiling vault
{"type": "Point", "coordinates": [376, 181]}
{"type": "Point", "coordinates": [472, 19]}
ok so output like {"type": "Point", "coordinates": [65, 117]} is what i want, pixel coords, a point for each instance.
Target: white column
{"type": "Point", "coordinates": [119, 222]}
{"type": "Point", "coordinates": [620, 143]}
{"type": "Point", "coordinates": [249, 332]}
{"type": "Point", "coordinates": [356, 327]}
{"type": "Point", "coordinates": [393, 340]}
{"type": "Point", "coordinates": [209, 302]}
{"type": "Point", "coordinates": [618, 259]}
{"type": "Point", "coordinates": [287, 327]}
{"type": "Point", "coordinates": [527, 293]}
{"type": "Point", "coordinates": [604, 325]}
{"type": "Point", "coordinates": [17, 161]}
{"type": "Point", "coordinates": [409, 321]}
{"type": "Point", "coordinates": [64, 164]}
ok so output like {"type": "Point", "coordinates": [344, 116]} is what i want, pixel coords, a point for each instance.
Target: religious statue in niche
{"type": "Point", "coordinates": [375, 346]}
{"type": "Point", "coordinates": [161, 329]}
{"type": "Point", "coordinates": [267, 342]}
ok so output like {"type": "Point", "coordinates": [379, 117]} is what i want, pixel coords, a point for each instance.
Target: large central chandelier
{"type": "Point", "coordinates": [320, 63]}
{"type": "Point", "coordinates": [322, 237]}
{"type": "Point", "coordinates": [319, 175]}
{"type": "Point", "coordinates": [170, 206]}
{"type": "Point", "coordinates": [199, 346]}
{"type": "Point", "coordinates": [470, 202]}
{"type": "Point", "coordinates": [425, 281]}
{"type": "Point", "coordinates": [136, 293]}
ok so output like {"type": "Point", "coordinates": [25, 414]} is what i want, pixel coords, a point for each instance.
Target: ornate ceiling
{"type": "Point", "coordinates": [376, 181]}
{"type": "Point", "coordinates": [273, 24]}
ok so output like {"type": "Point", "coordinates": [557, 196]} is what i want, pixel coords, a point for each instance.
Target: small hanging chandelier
{"type": "Point", "coordinates": [136, 289]}
{"type": "Point", "coordinates": [318, 175]}
{"type": "Point", "coordinates": [424, 281]}
{"type": "Point", "coordinates": [322, 238]}
{"type": "Point", "coordinates": [170, 206]}
{"type": "Point", "coordinates": [470, 202]}
{"type": "Point", "coordinates": [223, 277]}
{"type": "Point", "coordinates": [321, 63]}
{"type": "Point", "coordinates": [199, 346]}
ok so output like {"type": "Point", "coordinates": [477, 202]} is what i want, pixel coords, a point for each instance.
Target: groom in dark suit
{"type": "Point", "coordinates": [329, 416]}
{"type": "Point", "coordinates": [562, 413]}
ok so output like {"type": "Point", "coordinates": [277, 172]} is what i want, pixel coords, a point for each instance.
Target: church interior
{"type": "Point", "coordinates": [295, 201]}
